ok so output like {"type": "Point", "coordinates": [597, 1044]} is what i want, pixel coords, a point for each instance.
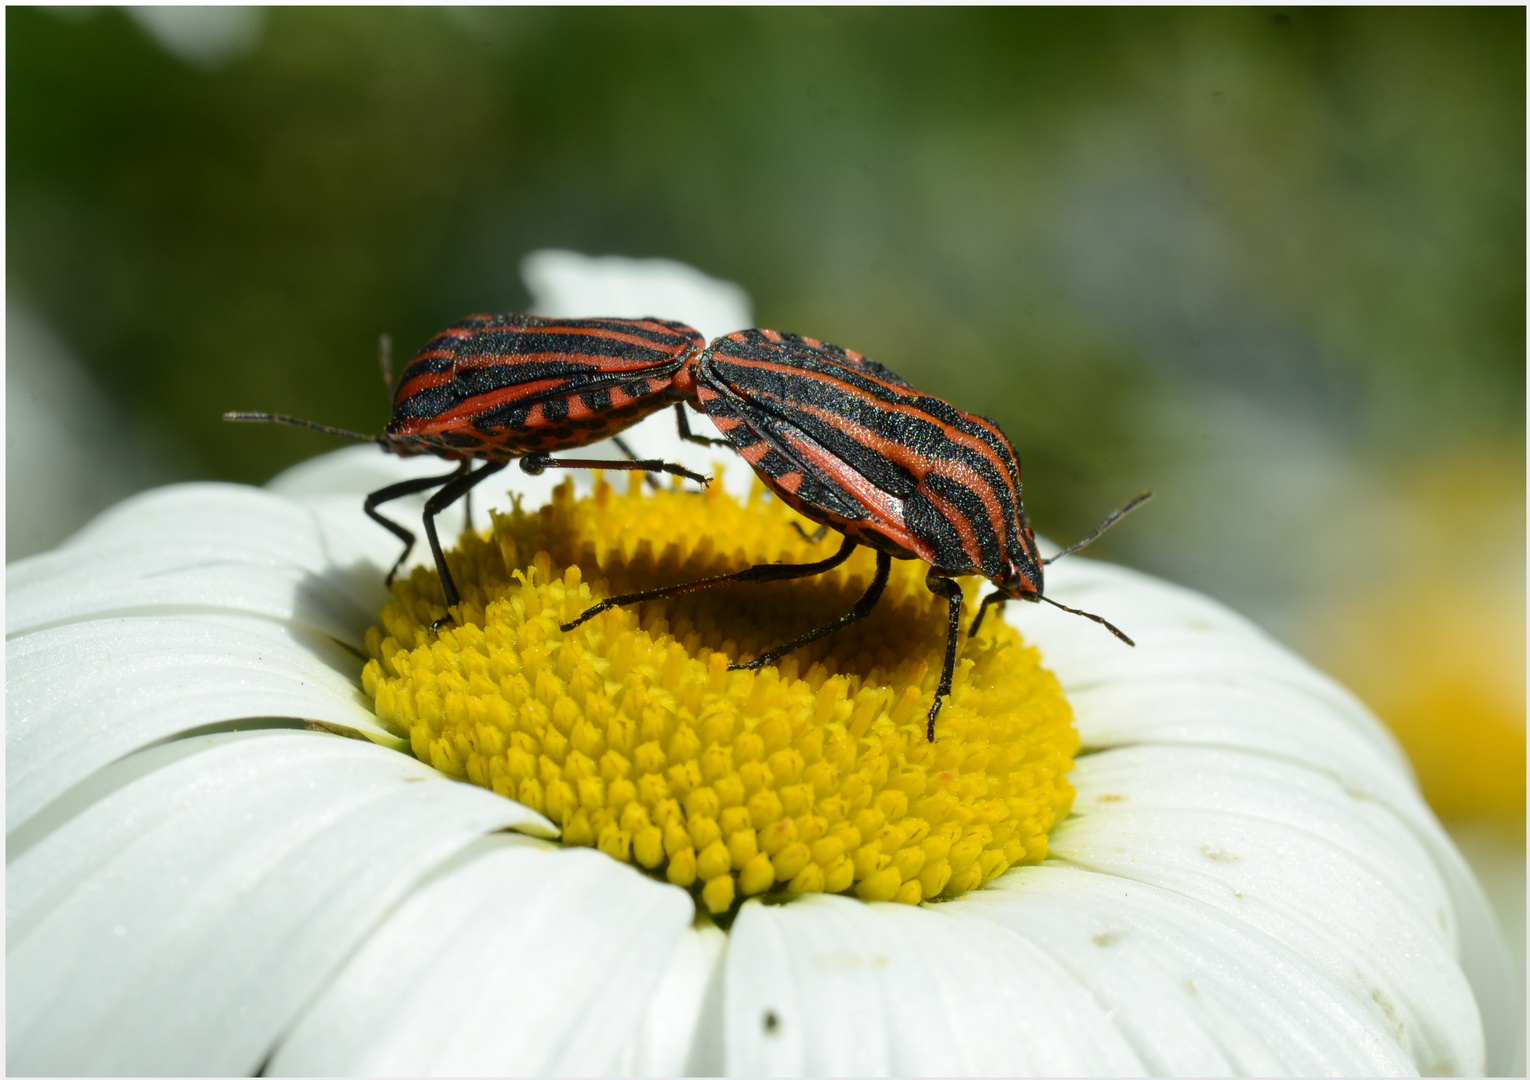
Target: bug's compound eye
{"type": "Point", "coordinates": [1020, 582]}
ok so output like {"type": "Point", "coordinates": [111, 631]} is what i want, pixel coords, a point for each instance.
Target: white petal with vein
{"type": "Point", "coordinates": [180, 923]}
{"type": "Point", "coordinates": [526, 960]}
{"type": "Point", "coordinates": [82, 695]}
{"type": "Point", "coordinates": [1194, 992]}
{"type": "Point", "coordinates": [1306, 891]}
{"type": "Point", "coordinates": [197, 547]}
{"type": "Point", "coordinates": [829, 986]}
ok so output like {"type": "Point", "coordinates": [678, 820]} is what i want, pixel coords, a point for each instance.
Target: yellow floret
{"type": "Point", "coordinates": [631, 734]}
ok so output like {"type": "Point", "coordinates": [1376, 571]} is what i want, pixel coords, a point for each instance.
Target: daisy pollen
{"type": "Point", "coordinates": [632, 735]}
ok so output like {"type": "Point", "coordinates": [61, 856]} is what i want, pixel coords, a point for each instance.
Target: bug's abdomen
{"type": "Point", "coordinates": [501, 386]}
{"type": "Point", "coordinates": [846, 442]}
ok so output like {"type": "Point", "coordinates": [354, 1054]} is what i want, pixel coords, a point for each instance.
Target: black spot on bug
{"type": "Point", "coordinates": [771, 1023]}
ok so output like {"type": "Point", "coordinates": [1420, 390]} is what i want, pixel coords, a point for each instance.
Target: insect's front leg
{"type": "Point", "coordinates": [398, 491]}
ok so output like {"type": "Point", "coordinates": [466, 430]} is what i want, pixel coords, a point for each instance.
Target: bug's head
{"type": "Point", "coordinates": [1021, 576]}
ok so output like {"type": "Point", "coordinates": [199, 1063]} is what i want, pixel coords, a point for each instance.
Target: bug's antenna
{"type": "Point", "coordinates": [1115, 516]}
{"type": "Point", "coordinates": [385, 361]}
{"type": "Point", "coordinates": [1103, 622]}
{"type": "Point", "coordinates": [293, 421]}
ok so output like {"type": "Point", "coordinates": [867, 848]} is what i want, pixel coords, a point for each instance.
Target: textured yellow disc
{"type": "Point", "coordinates": [631, 734]}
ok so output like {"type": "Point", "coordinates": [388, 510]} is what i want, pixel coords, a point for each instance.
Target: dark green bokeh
{"type": "Point", "coordinates": [1072, 220]}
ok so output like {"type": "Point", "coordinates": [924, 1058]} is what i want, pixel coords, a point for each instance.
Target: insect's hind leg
{"type": "Point", "coordinates": [863, 607]}
{"type": "Point", "coordinates": [535, 464]}
{"type": "Point", "coordinates": [621, 444]}
{"type": "Point", "coordinates": [398, 491]}
{"type": "Point", "coordinates": [763, 572]}
{"type": "Point", "coordinates": [460, 484]}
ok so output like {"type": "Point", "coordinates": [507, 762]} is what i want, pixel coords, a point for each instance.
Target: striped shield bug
{"type": "Point", "coordinates": [850, 445]}
{"type": "Point", "coordinates": [496, 388]}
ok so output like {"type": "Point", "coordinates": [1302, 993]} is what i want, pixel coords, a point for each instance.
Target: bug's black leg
{"type": "Point", "coordinates": [684, 424]}
{"type": "Point", "coordinates": [621, 444]}
{"type": "Point", "coordinates": [811, 537]}
{"type": "Point", "coordinates": [763, 572]}
{"type": "Point", "coordinates": [534, 464]}
{"type": "Point", "coordinates": [863, 607]}
{"type": "Point", "coordinates": [398, 491]}
{"type": "Point", "coordinates": [943, 586]}
{"type": "Point", "coordinates": [459, 485]}
{"type": "Point", "coordinates": [993, 599]}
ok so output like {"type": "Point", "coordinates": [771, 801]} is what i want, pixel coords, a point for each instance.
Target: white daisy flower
{"type": "Point", "coordinates": [222, 860]}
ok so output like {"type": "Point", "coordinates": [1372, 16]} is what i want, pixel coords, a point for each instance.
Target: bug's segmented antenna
{"type": "Point", "coordinates": [1115, 516]}
{"type": "Point", "coordinates": [293, 421]}
{"type": "Point", "coordinates": [385, 361]}
{"type": "Point", "coordinates": [1106, 623]}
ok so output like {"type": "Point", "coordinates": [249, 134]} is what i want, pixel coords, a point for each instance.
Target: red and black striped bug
{"type": "Point", "coordinates": [850, 445]}
{"type": "Point", "coordinates": [494, 388]}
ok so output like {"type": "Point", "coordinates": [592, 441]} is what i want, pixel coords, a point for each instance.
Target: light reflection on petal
{"type": "Point", "coordinates": [180, 922]}
{"type": "Point", "coordinates": [82, 695]}
{"type": "Point", "coordinates": [525, 960]}
{"type": "Point", "coordinates": [827, 985]}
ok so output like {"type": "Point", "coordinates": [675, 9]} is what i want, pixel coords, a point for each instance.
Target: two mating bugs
{"type": "Point", "coordinates": [838, 437]}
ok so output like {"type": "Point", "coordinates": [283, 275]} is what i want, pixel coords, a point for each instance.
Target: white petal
{"type": "Point", "coordinates": [353, 470]}
{"type": "Point", "coordinates": [682, 1032]}
{"type": "Point", "coordinates": [1228, 782]}
{"type": "Point", "coordinates": [826, 985]}
{"type": "Point", "coordinates": [180, 922]}
{"type": "Point", "coordinates": [1347, 916]}
{"type": "Point", "coordinates": [1262, 715]}
{"type": "Point", "coordinates": [1484, 955]}
{"type": "Point", "coordinates": [567, 284]}
{"type": "Point", "coordinates": [1180, 635]}
{"type": "Point", "coordinates": [1195, 993]}
{"type": "Point", "coordinates": [525, 960]}
{"type": "Point", "coordinates": [82, 695]}
{"type": "Point", "coordinates": [196, 547]}
{"type": "Point", "coordinates": [1242, 690]}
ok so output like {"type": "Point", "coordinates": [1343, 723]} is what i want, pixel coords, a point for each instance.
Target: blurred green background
{"type": "Point", "coordinates": [1269, 262]}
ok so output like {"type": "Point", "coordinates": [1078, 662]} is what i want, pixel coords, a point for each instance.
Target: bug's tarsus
{"type": "Point", "coordinates": [385, 362]}
{"type": "Point", "coordinates": [1115, 516]}
{"type": "Point", "coordinates": [1106, 623]}
{"type": "Point", "coordinates": [459, 484]}
{"type": "Point", "coordinates": [762, 572]}
{"type": "Point", "coordinates": [863, 607]}
{"type": "Point", "coordinates": [293, 421]}
{"type": "Point", "coordinates": [683, 423]}
{"type": "Point", "coordinates": [944, 586]}
{"type": "Point", "coordinates": [536, 464]}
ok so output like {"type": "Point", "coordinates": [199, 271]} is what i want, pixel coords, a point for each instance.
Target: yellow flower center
{"type": "Point", "coordinates": [632, 735]}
